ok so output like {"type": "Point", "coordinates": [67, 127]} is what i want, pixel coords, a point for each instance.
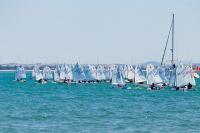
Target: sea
{"type": "Point", "coordinates": [95, 108]}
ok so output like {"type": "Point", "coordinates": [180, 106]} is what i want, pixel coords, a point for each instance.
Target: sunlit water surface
{"type": "Point", "coordinates": [31, 107]}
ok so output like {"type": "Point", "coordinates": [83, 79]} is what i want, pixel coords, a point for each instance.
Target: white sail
{"type": "Point", "coordinates": [20, 73]}
{"type": "Point", "coordinates": [23, 73]}
{"type": "Point", "coordinates": [90, 72]}
{"type": "Point", "coordinates": [184, 76]}
{"type": "Point", "coordinates": [172, 79]}
{"type": "Point", "coordinates": [164, 73]}
{"type": "Point", "coordinates": [63, 73]}
{"type": "Point", "coordinates": [56, 76]}
{"type": "Point", "coordinates": [56, 73]}
{"type": "Point", "coordinates": [189, 75]}
{"type": "Point", "coordinates": [34, 71]}
{"type": "Point", "coordinates": [117, 78]}
{"type": "Point", "coordinates": [107, 72]}
{"type": "Point", "coordinates": [139, 75]}
{"type": "Point", "coordinates": [38, 74]}
{"type": "Point", "coordinates": [130, 73]}
{"type": "Point", "coordinates": [180, 74]}
{"type": "Point", "coordinates": [78, 73]}
{"type": "Point", "coordinates": [47, 74]}
{"type": "Point", "coordinates": [69, 75]}
{"type": "Point", "coordinates": [100, 73]}
{"type": "Point", "coordinates": [153, 75]}
{"type": "Point", "coordinates": [125, 71]}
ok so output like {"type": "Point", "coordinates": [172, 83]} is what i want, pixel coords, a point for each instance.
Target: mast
{"type": "Point", "coordinates": [172, 40]}
{"type": "Point", "coordinates": [171, 32]}
{"type": "Point", "coordinates": [172, 50]}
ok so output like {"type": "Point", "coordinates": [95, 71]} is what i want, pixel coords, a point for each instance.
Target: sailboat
{"type": "Point", "coordinates": [34, 71]}
{"type": "Point", "coordinates": [129, 72]}
{"type": "Point", "coordinates": [117, 78]}
{"type": "Point", "coordinates": [139, 76]}
{"type": "Point", "coordinates": [78, 73]}
{"type": "Point", "coordinates": [181, 76]}
{"type": "Point", "coordinates": [63, 73]}
{"type": "Point", "coordinates": [56, 74]}
{"type": "Point", "coordinates": [107, 73]}
{"type": "Point", "coordinates": [154, 81]}
{"type": "Point", "coordinates": [100, 73]}
{"type": "Point", "coordinates": [47, 74]}
{"type": "Point", "coordinates": [164, 73]}
{"type": "Point", "coordinates": [90, 73]}
{"type": "Point", "coordinates": [184, 78]}
{"type": "Point", "coordinates": [20, 74]}
{"type": "Point", "coordinates": [69, 75]}
{"type": "Point", "coordinates": [38, 74]}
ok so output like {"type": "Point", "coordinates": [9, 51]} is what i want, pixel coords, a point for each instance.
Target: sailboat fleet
{"type": "Point", "coordinates": [174, 74]}
{"type": "Point", "coordinates": [152, 77]}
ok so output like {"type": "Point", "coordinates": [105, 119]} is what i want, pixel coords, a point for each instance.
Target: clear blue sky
{"type": "Point", "coordinates": [115, 31]}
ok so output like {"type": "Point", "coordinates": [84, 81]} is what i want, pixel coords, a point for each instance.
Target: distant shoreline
{"type": "Point", "coordinates": [13, 70]}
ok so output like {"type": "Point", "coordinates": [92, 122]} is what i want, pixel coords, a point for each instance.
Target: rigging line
{"type": "Point", "coordinates": [166, 43]}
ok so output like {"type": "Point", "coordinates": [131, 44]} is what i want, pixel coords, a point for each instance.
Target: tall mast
{"type": "Point", "coordinates": [172, 40]}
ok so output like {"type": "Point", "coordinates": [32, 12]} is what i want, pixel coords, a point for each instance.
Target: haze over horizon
{"type": "Point", "coordinates": [130, 31]}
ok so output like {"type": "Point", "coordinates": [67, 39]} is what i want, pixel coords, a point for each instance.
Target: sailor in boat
{"type": "Point", "coordinates": [78, 73]}
{"type": "Point", "coordinates": [184, 77]}
{"type": "Point", "coordinates": [154, 80]}
{"type": "Point", "coordinates": [189, 86]}
{"type": "Point", "coordinates": [122, 86]}
{"type": "Point", "coordinates": [117, 79]}
{"type": "Point", "coordinates": [42, 81]}
{"type": "Point", "coordinates": [68, 81]}
{"type": "Point", "coordinates": [65, 80]}
{"type": "Point", "coordinates": [154, 86]}
{"type": "Point", "coordinates": [69, 76]}
{"type": "Point", "coordinates": [47, 75]}
{"type": "Point", "coordinates": [39, 77]}
{"type": "Point", "coordinates": [90, 73]}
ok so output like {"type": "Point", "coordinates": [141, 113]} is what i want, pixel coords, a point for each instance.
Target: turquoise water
{"type": "Point", "coordinates": [32, 107]}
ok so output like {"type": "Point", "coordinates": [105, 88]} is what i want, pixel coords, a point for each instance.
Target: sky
{"type": "Point", "coordinates": [97, 31]}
